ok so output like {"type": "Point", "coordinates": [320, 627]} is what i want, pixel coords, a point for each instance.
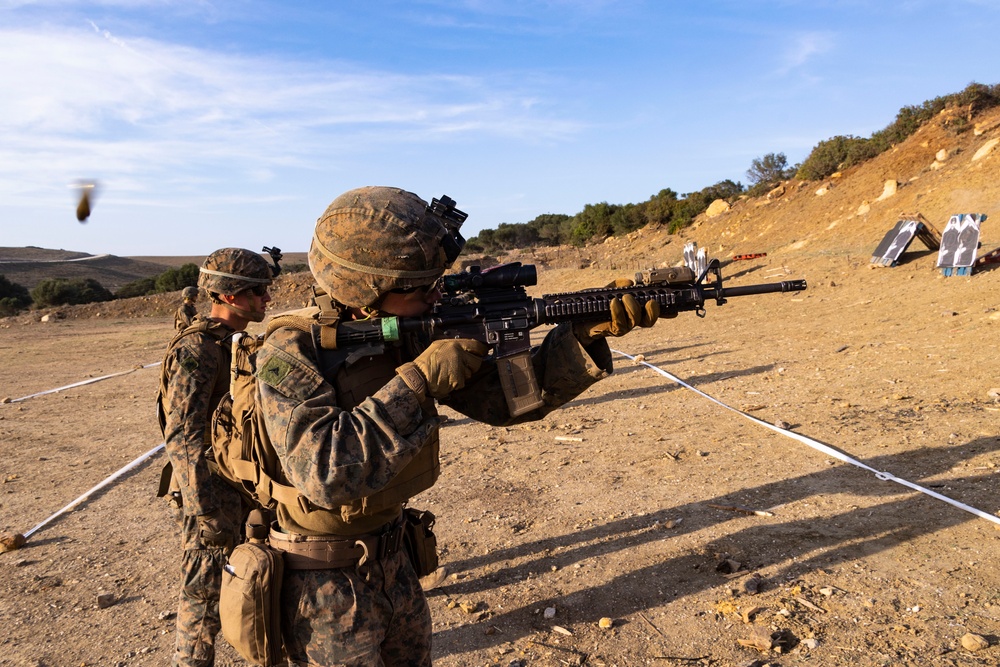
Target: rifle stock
{"type": "Point", "coordinates": [492, 307]}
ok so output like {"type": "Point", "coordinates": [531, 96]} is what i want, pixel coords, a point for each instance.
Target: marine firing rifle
{"type": "Point", "coordinates": [492, 307]}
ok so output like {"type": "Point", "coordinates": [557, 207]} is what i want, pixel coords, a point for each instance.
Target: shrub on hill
{"type": "Point", "coordinates": [598, 221]}
{"type": "Point", "coordinates": [171, 280]}
{"type": "Point", "coordinates": [13, 297]}
{"type": "Point", "coordinates": [841, 152]}
{"type": "Point", "coordinates": [140, 287]}
{"type": "Point", "coordinates": [60, 292]}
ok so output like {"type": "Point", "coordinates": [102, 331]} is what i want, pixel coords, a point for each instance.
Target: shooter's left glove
{"type": "Point", "coordinates": [626, 314]}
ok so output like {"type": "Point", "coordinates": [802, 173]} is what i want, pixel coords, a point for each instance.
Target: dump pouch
{"type": "Point", "coordinates": [166, 480]}
{"type": "Point", "coordinates": [250, 601]}
{"type": "Point", "coordinates": [419, 539]}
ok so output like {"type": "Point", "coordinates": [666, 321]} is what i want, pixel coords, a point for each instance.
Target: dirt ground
{"type": "Point", "coordinates": [620, 505]}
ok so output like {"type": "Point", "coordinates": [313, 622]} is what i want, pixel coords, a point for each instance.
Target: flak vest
{"type": "Point", "coordinates": [354, 382]}
{"type": "Point", "coordinates": [220, 334]}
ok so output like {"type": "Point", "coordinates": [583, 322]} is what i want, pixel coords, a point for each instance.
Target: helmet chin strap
{"type": "Point", "coordinates": [251, 315]}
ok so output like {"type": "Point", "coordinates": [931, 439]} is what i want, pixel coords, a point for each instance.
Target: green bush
{"type": "Point", "coordinates": [593, 222]}
{"type": "Point", "coordinates": [60, 292]}
{"type": "Point", "coordinates": [170, 280]}
{"type": "Point", "coordinates": [140, 287]}
{"type": "Point", "coordinates": [831, 155]}
{"type": "Point", "coordinates": [183, 276]}
{"type": "Point", "coordinates": [548, 229]}
{"type": "Point", "coordinates": [666, 208]}
{"type": "Point", "coordinates": [841, 152]}
{"type": "Point", "coordinates": [13, 297]}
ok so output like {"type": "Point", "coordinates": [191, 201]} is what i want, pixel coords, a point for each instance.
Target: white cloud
{"type": "Point", "coordinates": [803, 48]}
{"type": "Point", "coordinates": [89, 102]}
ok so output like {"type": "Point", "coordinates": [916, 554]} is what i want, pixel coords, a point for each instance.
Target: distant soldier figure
{"type": "Point", "coordinates": [194, 378]}
{"type": "Point", "coordinates": [187, 311]}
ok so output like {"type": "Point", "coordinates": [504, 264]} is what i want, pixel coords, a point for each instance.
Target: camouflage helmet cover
{"type": "Point", "coordinates": [374, 239]}
{"type": "Point", "coordinates": [232, 270]}
{"type": "Point", "coordinates": [190, 292]}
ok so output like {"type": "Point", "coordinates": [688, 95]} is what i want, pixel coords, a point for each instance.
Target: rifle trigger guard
{"type": "Point", "coordinates": [700, 311]}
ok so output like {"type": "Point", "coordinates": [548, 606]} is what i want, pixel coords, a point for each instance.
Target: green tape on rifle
{"type": "Point", "coordinates": [390, 328]}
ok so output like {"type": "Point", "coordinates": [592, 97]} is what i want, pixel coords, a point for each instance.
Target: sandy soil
{"type": "Point", "coordinates": [618, 506]}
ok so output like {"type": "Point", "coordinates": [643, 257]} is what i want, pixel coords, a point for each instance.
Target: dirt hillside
{"type": "Point", "coordinates": [642, 524]}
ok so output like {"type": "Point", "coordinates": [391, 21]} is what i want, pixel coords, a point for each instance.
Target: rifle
{"type": "Point", "coordinates": [492, 307]}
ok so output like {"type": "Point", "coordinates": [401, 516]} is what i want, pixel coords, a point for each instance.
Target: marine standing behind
{"type": "Point", "coordinates": [187, 311]}
{"type": "Point", "coordinates": [194, 378]}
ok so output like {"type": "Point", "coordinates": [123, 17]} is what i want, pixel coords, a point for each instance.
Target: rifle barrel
{"type": "Point", "coordinates": [766, 288]}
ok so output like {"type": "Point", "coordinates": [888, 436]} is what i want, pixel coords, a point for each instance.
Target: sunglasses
{"type": "Point", "coordinates": [258, 290]}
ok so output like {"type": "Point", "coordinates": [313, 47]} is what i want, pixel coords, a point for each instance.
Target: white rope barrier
{"type": "Point", "coordinates": [100, 486]}
{"type": "Point", "coordinates": [83, 382]}
{"type": "Point", "coordinates": [829, 451]}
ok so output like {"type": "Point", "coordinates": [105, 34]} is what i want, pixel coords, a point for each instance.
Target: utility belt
{"type": "Point", "coordinates": [328, 552]}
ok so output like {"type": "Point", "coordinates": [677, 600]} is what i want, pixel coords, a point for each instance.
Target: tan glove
{"type": "Point", "coordinates": [626, 314]}
{"type": "Point", "coordinates": [215, 531]}
{"type": "Point", "coordinates": [445, 366]}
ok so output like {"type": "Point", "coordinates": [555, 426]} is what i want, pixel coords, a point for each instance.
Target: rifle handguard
{"type": "Point", "coordinates": [414, 379]}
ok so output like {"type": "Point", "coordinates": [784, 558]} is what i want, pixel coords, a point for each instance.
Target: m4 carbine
{"type": "Point", "coordinates": [491, 306]}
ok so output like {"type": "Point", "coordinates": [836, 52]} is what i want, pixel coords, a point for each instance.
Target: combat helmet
{"type": "Point", "coordinates": [375, 239]}
{"type": "Point", "coordinates": [230, 271]}
{"type": "Point", "coordinates": [190, 293]}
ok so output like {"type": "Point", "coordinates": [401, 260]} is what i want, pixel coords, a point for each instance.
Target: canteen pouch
{"type": "Point", "coordinates": [419, 539]}
{"type": "Point", "coordinates": [250, 600]}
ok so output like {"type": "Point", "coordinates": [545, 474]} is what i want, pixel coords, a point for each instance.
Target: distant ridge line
{"type": "Point", "coordinates": [53, 261]}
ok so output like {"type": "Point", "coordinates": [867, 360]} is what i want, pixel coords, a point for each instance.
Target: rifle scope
{"type": "Point", "coordinates": [502, 276]}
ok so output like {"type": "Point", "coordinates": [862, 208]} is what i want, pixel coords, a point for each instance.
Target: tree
{"type": "Point", "coordinates": [550, 228]}
{"type": "Point", "coordinates": [594, 221]}
{"type": "Point", "coordinates": [13, 297]}
{"type": "Point", "coordinates": [183, 276]}
{"type": "Point", "coordinates": [140, 287]}
{"type": "Point", "coordinates": [60, 292]}
{"type": "Point", "coordinates": [768, 169]}
{"type": "Point", "coordinates": [660, 207]}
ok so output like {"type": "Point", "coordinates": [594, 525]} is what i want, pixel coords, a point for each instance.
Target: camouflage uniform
{"type": "Point", "coordinates": [184, 315]}
{"type": "Point", "coordinates": [187, 311]}
{"type": "Point", "coordinates": [194, 379]}
{"type": "Point", "coordinates": [196, 373]}
{"type": "Point", "coordinates": [346, 432]}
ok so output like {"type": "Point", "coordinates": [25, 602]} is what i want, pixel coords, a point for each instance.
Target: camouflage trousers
{"type": "Point", "coordinates": [337, 617]}
{"type": "Point", "coordinates": [201, 567]}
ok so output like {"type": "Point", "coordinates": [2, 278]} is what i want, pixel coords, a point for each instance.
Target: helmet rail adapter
{"type": "Point", "coordinates": [375, 239]}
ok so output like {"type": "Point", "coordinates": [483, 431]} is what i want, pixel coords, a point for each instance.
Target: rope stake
{"type": "Point", "coordinates": [113, 477]}
{"type": "Point", "coordinates": [81, 383]}
{"type": "Point", "coordinates": [826, 449]}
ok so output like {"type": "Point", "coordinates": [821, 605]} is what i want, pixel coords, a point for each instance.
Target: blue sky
{"type": "Point", "coordinates": [217, 123]}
